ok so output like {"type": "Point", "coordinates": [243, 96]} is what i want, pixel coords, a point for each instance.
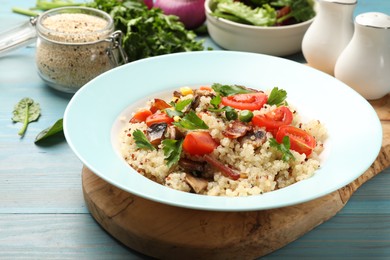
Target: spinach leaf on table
{"type": "Point", "coordinates": [26, 111]}
{"type": "Point", "coordinates": [50, 131]}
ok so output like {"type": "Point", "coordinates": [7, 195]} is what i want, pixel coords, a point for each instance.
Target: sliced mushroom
{"type": "Point", "coordinates": [156, 133]}
{"type": "Point", "coordinates": [256, 137]}
{"type": "Point", "coordinates": [197, 184]}
{"type": "Point", "coordinates": [174, 132]}
{"type": "Point", "coordinates": [236, 129]}
{"type": "Point", "coordinates": [192, 166]}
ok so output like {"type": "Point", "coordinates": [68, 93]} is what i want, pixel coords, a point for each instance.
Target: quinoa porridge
{"type": "Point", "coordinates": [222, 140]}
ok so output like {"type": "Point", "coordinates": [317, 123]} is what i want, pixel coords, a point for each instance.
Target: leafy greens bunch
{"type": "Point", "coordinates": [148, 32]}
{"type": "Point", "coordinates": [264, 12]}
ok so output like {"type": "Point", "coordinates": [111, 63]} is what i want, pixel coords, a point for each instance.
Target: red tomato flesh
{"type": "Point", "coordinates": [158, 117]}
{"type": "Point", "coordinates": [274, 119]}
{"type": "Point", "coordinates": [199, 143]}
{"type": "Point", "coordinates": [250, 101]}
{"type": "Point", "coordinates": [140, 116]}
{"type": "Point", "coordinates": [159, 105]}
{"type": "Point", "coordinates": [300, 140]}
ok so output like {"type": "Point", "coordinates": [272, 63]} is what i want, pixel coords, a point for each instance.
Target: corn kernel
{"type": "Point", "coordinates": [176, 118]}
{"type": "Point", "coordinates": [186, 91]}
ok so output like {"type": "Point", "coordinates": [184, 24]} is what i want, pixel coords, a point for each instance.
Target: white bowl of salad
{"type": "Point", "coordinates": [262, 26]}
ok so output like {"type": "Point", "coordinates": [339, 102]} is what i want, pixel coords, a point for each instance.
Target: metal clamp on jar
{"type": "Point", "coordinates": [73, 45]}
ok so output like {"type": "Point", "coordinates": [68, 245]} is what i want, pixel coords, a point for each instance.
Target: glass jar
{"type": "Point", "coordinates": [73, 45]}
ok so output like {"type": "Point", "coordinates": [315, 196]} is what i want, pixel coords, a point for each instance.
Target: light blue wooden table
{"type": "Point", "coordinates": [42, 211]}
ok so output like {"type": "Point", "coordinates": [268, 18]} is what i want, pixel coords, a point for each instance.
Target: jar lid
{"type": "Point", "coordinates": [374, 20]}
{"type": "Point", "coordinates": [75, 25]}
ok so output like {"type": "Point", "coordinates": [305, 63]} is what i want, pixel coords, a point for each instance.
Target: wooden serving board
{"type": "Point", "coordinates": [169, 232]}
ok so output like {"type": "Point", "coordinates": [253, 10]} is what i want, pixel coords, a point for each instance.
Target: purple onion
{"type": "Point", "coordinates": [190, 12]}
{"type": "Point", "coordinates": [149, 3]}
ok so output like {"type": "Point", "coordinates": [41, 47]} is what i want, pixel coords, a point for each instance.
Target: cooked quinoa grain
{"type": "Point", "coordinates": [259, 164]}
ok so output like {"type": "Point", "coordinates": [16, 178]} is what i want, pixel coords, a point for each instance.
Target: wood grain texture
{"type": "Point", "coordinates": [170, 232]}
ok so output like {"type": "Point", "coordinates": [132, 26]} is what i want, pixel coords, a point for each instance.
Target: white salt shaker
{"type": "Point", "coordinates": [364, 64]}
{"type": "Point", "coordinates": [329, 34]}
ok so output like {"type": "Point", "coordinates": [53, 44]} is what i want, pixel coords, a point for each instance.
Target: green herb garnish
{"type": "Point", "coordinates": [26, 111]}
{"type": "Point", "coordinates": [50, 131]}
{"type": "Point", "coordinates": [179, 106]}
{"type": "Point", "coordinates": [277, 97]}
{"type": "Point", "coordinates": [141, 141]}
{"type": "Point", "coordinates": [228, 90]}
{"type": "Point", "coordinates": [191, 122]}
{"type": "Point", "coordinates": [284, 148]}
{"type": "Point", "coordinates": [172, 150]}
{"type": "Point", "coordinates": [215, 101]}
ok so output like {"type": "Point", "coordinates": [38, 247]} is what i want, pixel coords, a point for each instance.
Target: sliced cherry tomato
{"type": "Point", "coordinates": [205, 88]}
{"type": "Point", "coordinates": [199, 143]}
{"type": "Point", "coordinates": [250, 101]}
{"type": "Point", "coordinates": [140, 116]}
{"type": "Point", "coordinates": [159, 105]}
{"type": "Point", "coordinates": [300, 140]}
{"type": "Point", "coordinates": [274, 119]}
{"type": "Point", "coordinates": [158, 117]}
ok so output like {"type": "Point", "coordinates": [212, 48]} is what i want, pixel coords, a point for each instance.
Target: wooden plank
{"type": "Point", "coordinates": [57, 236]}
{"type": "Point", "coordinates": [78, 236]}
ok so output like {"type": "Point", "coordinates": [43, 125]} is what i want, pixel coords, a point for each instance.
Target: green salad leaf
{"type": "Point", "coordinates": [172, 150]}
{"type": "Point", "coordinates": [284, 148]}
{"type": "Point", "coordinates": [141, 141]}
{"type": "Point", "coordinates": [26, 111]}
{"type": "Point", "coordinates": [277, 97]}
{"type": "Point", "coordinates": [241, 13]}
{"type": "Point", "coordinates": [191, 122]}
{"type": "Point", "coordinates": [50, 131]}
{"type": "Point", "coordinates": [263, 12]}
{"type": "Point", "coordinates": [301, 10]}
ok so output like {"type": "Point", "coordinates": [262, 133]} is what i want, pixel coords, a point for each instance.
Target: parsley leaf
{"type": "Point", "coordinates": [228, 90]}
{"type": "Point", "coordinates": [277, 97]}
{"type": "Point", "coordinates": [148, 32]}
{"type": "Point", "coordinates": [284, 148]}
{"type": "Point", "coordinates": [141, 141]}
{"type": "Point", "coordinates": [179, 106]}
{"type": "Point", "coordinates": [172, 150]}
{"type": "Point", "coordinates": [215, 101]}
{"type": "Point", "coordinates": [191, 122]}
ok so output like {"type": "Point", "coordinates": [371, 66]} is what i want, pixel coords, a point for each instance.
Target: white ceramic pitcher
{"type": "Point", "coordinates": [365, 63]}
{"type": "Point", "coordinates": [329, 34]}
